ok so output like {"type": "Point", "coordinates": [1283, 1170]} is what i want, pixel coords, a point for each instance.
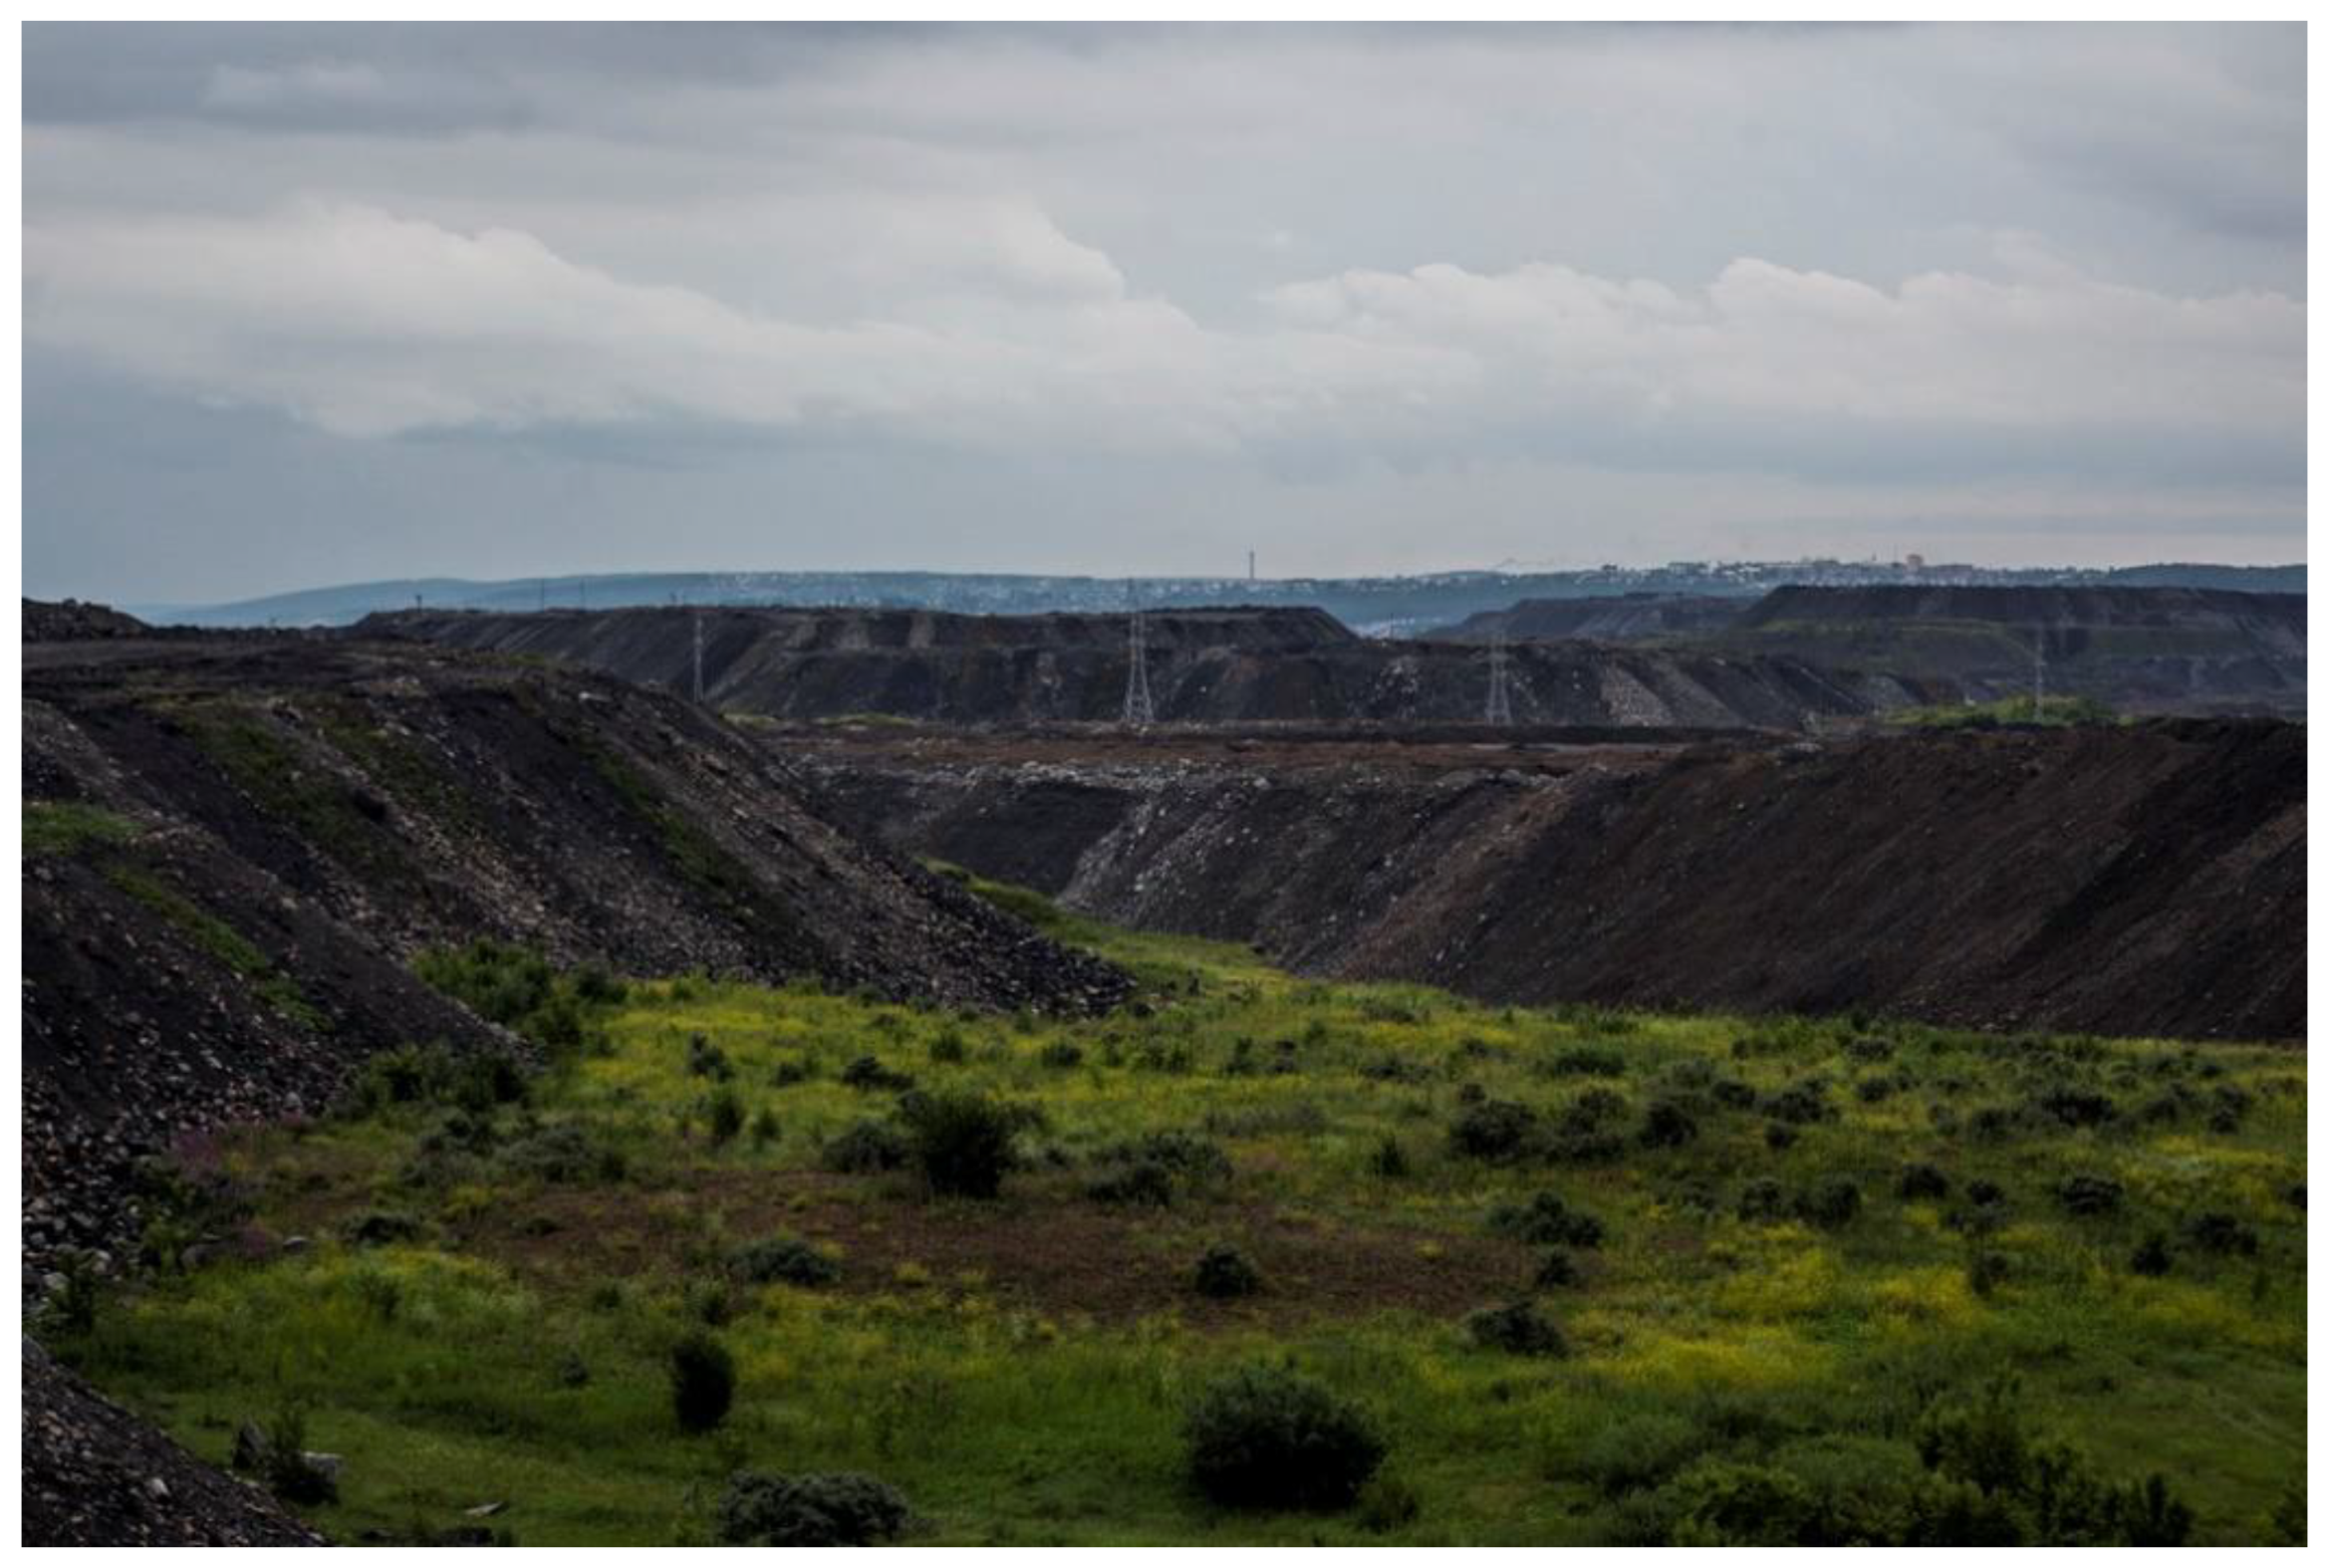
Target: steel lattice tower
{"type": "Point", "coordinates": [698, 619]}
{"type": "Point", "coordinates": [1499, 682]}
{"type": "Point", "coordinates": [1140, 709]}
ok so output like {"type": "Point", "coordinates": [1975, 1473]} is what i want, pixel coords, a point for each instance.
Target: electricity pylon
{"type": "Point", "coordinates": [1140, 709]}
{"type": "Point", "coordinates": [1499, 682]}
{"type": "Point", "coordinates": [698, 619]}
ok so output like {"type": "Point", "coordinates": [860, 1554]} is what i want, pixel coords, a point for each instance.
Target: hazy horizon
{"type": "Point", "coordinates": [309, 305]}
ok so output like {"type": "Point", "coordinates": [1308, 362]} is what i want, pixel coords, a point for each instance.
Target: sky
{"type": "Point", "coordinates": [319, 304]}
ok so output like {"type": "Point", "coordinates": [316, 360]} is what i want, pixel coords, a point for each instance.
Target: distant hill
{"type": "Point", "coordinates": [1371, 606]}
{"type": "Point", "coordinates": [2161, 650]}
{"type": "Point", "coordinates": [1203, 667]}
{"type": "Point", "coordinates": [1625, 618]}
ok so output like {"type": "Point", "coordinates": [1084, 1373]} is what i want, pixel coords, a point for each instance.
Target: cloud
{"type": "Point", "coordinates": [1378, 273]}
{"type": "Point", "coordinates": [367, 324]}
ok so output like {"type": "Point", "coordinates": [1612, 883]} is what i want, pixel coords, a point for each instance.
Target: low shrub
{"type": "Point", "coordinates": [723, 1116]}
{"type": "Point", "coordinates": [1667, 1125]}
{"type": "Point", "coordinates": [1546, 1219]}
{"type": "Point", "coordinates": [2222, 1233]}
{"type": "Point", "coordinates": [1266, 1437]}
{"type": "Point", "coordinates": [1143, 1184]}
{"type": "Point", "coordinates": [1223, 1273]}
{"type": "Point", "coordinates": [1556, 1269]}
{"type": "Point", "coordinates": [867, 1072]}
{"type": "Point", "coordinates": [1831, 1203]}
{"type": "Point", "coordinates": [2086, 1195]}
{"type": "Point", "coordinates": [2073, 1106]}
{"type": "Point", "coordinates": [867, 1147]}
{"type": "Point", "coordinates": [2151, 1256]}
{"type": "Point", "coordinates": [782, 1259]}
{"type": "Point", "coordinates": [380, 1228]}
{"type": "Point", "coordinates": [948, 1048]}
{"type": "Point", "coordinates": [703, 1381]}
{"type": "Point", "coordinates": [1779, 1137]}
{"type": "Point", "coordinates": [1519, 1329]}
{"type": "Point", "coordinates": [1762, 1200]}
{"type": "Point", "coordinates": [1800, 1103]}
{"type": "Point", "coordinates": [560, 1152]}
{"type": "Point", "coordinates": [1061, 1054]}
{"type": "Point", "coordinates": [706, 1060]}
{"type": "Point", "coordinates": [1389, 1159]}
{"type": "Point", "coordinates": [840, 1509]}
{"type": "Point", "coordinates": [1493, 1129]}
{"type": "Point", "coordinates": [1588, 1061]}
{"type": "Point", "coordinates": [1922, 1181]}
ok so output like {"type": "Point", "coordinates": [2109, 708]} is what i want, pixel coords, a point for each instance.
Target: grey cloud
{"type": "Point", "coordinates": [1313, 282]}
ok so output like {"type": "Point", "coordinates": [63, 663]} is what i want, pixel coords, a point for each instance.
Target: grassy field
{"type": "Point", "coordinates": [1744, 1329]}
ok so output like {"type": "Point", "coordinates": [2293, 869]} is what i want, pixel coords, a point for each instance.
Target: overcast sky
{"type": "Point", "coordinates": [318, 304]}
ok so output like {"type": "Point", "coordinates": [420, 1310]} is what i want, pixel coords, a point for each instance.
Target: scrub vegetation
{"type": "Point", "coordinates": [1254, 1258]}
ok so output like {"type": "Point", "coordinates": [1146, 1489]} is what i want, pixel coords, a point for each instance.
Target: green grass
{"type": "Point", "coordinates": [1019, 1368]}
{"type": "Point", "coordinates": [2058, 712]}
{"type": "Point", "coordinates": [67, 827]}
{"type": "Point", "coordinates": [215, 938]}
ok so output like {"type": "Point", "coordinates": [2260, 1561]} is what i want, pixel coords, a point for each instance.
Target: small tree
{"type": "Point", "coordinates": [964, 1142]}
{"type": "Point", "coordinates": [703, 1382]}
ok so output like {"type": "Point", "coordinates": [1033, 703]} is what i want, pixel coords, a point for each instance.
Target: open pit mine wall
{"type": "Point", "coordinates": [2140, 880]}
{"type": "Point", "coordinates": [1206, 667]}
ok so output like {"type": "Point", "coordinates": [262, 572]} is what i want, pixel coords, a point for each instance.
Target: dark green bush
{"type": "Point", "coordinates": [1493, 1129]}
{"type": "Point", "coordinates": [962, 1142]}
{"type": "Point", "coordinates": [379, 1227]}
{"type": "Point", "coordinates": [1588, 1061]}
{"type": "Point", "coordinates": [1557, 1269]}
{"type": "Point", "coordinates": [1667, 1125]}
{"type": "Point", "coordinates": [1762, 1199]}
{"type": "Point", "coordinates": [560, 1151]}
{"type": "Point", "coordinates": [783, 1259]}
{"type": "Point", "coordinates": [1519, 1329]}
{"type": "Point", "coordinates": [1224, 1273]}
{"type": "Point", "coordinates": [1546, 1220]}
{"type": "Point", "coordinates": [1733, 1091]}
{"type": "Point", "coordinates": [1832, 1203]}
{"type": "Point", "coordinates": [867, 1147]}
{"type": "Point", "coordinates": [844, 1509]}
{"type": "Point", "coordinates": [2151, 1256]}
{"type": "Point", "coordinates": [703, 1381]}
{"type": "Point", "coordinates": [1779, 1137]}
{"type": "Point", "coordinates": [1140, 1183]}
{"type": "Point", "coordinates": [2087, 1194]}
{"type": "Point", "coordinates": [949, 1047]}
{"type": "Point", "coordinates": [1388, 1161]}
{"type": "Point", "coordinates": [1798, 1103]}
{"type": "Point", "coordinates": [1268, 1437]}
{"type": "Point", "coordinates": [2221, 1233]}
{"type": "Point", "coordinates": [867, 1072]}
{"type": "Point", "coordinates": [723, 1115]}
{"type": "Point", "coordinates": [706, 1060]}
{"type": "Point", "coordinates": [2074, 1105]}
{"type": "Point", "coordinates": [1921, 1181]}
{"type": "Point", "coordinates": [1061, 1054]}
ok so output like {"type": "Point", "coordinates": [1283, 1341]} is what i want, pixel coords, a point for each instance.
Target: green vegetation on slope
{"type": "Point", "coordinates": [2061, 712]}
{"type": "Point", "coordinates": [67, 827]}
{"type": "Point", "coordinates": [1791, 1281]}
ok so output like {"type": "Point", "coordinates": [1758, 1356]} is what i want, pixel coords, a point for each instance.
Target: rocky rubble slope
{"type": "Point", "coordinates": [96, 1476]}
{"type": "Point", "coordinates": [1204, 667]}
{"type": "Point", "coordinates": [236, 850]}
{"type": "Point", "coordinates": [2133, 881]}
